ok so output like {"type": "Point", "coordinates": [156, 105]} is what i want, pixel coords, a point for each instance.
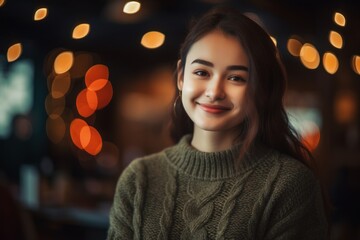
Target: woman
{"type": "Point", "coordinates": [238, 170]}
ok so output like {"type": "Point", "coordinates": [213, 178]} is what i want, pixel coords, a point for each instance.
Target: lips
{"type": "Point", "coordinates": [213, 108]}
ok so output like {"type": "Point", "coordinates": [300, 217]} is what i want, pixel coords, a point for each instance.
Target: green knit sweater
{"type": "Point", "coordinates": [182, 193]}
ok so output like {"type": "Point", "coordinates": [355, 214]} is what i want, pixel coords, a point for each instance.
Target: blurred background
{"type": "Point", "coordinates": [87, 86]}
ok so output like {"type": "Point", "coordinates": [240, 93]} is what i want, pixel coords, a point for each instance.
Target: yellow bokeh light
{"type": "Point", "coordinates": [335, 39]}
{"type": "Point", "coordinates": [309, 56]}
{"type": "Point", "coordinates": [40, 14]}
{"type": "Point", "coordinates": [356, 64]}
{"type": "Point", "coordinates": [152, 39]}
{"type": "Point", "coordinates": [2, 2]}
{"type": "Point", "coordinates": [330, 62]}
{"type": "Point", "coordinates": [294, 47]}
{"type": "Point", "coordinates": [63, 62]}
{"type": "Point", "coordinates": [14, 52]}
{"type": "Point", "coordinates": [131, 7]}
{"type": "Point", "coordinates": [339, 19]}
{"type": "Point", "coordinates": [81, 31]}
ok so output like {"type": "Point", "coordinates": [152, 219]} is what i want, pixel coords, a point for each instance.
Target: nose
{"type": "Point", "coordinates": [215, 89]}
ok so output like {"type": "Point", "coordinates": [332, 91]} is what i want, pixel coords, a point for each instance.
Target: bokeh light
{"type": "Point", "coordinates": [131, 7]}
{"type": "Point", "coordinates": [330, 62]}
{"type": "Point", "coordinates": [104, 95]}
{"type": "Point", "coordinates": [294, 46]}
{"type": "Point", "coordinates": [339, 19]}
{"type": "Point", "coordinates": [96, 72]}
{"type": "Point", "coordinates": [86, 102]}
{"type": "Point", "coordinates": [81, 31]}
{"type": "Point", "coordinates": [75, 128]}
{"type": "Point", "coordinates": [355, 64]}
{"type": "Point", "coordinates": [14, 52]}
{"type": "Point", "coordinates": [335, 39]}
{"type": "Point", "coordinates": [40, 14]}
{"type": "Point", "coordinates": [153, 39]}
{"type": "Point", "coordinates": [63, 62]}
{"type": "Point", "coordinates": [60, 85]}
{"type": "Point", "coordinates": [90, 140]}
{"type": "Point", "coordinates": [309, 56]}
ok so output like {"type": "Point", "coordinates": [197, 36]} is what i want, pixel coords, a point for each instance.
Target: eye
{"type": "Point", "coordinates": [237, 78]}
{"type": "Point", "coordinates": [201, 73]}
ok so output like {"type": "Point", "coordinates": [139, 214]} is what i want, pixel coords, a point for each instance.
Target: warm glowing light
{"type": "Point", "coordinates": [54, 107]}
{"type": "Point", "coordinates": [104, 95]}
{"type": "Point", "coordinates": [335, 39]}
{"type": "Point", "coordinates": [131, 7]}
{"type": "Point", "coordinates": [356, 64]}
{"type": "Point", "coordinates": [96, 72]}
{"type": "Point", "coordinates": [86, 102]}
{"type": "Point", "coordinates": [309, 56]}
{"type": "Point", "coordinates": [85, 136]}
{"type": "Point", "coordinates": [330, 62]}
{"type": "Point", "coordinates": [14, 52]}
{"type": "Point", "coordinates": [63, 62]}
{"type": "Point", "coordinates": [60, 86]}
{"type": "Point", "coordinates": [294, 47]}
{"type": "Point", "coordinates": [339, 19]}
{"type": "Point", "coordinates": [152, 39]}
{"type": "Point", "coordinates": [55, 129]}
{"type": "Point", "coordinates": [81, 31]}
{"type": "Point", "coordinates": [2, 2]}
{"type": "Point", "coordinates": [40, 14]}
{"type": "Point", "coordinates": [75, 128]}
{"type": "Point", "coordinates": [93, 139]}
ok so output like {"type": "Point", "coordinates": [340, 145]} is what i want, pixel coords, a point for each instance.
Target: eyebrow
{"type": "Point", "coordinates": [210, 64]}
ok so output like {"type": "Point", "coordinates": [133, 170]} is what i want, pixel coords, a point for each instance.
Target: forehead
{"type": "Point", "coordinates": [218, 48]}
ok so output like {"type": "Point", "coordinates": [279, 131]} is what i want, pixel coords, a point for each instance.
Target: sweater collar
{"type": "Point", "coordinates": [211, 165]}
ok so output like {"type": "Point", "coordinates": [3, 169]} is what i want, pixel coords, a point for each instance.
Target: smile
{"type": "Point", "coordinates": [211, 108]}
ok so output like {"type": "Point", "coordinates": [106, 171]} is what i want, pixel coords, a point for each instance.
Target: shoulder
{"type": "Point", "coordinates": [139, 166]}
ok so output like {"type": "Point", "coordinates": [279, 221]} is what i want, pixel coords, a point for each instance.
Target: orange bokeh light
{"type": "Point", "coordinates": [104, 95]}
{"type": "Point", "coordinates": [91, 139]}
{"type": "Point", "coordinates": [96, 72]}
{"type": "Point", "coordinates": [75, 129]}
{"type": "Point", "coordinates": [98, 84]}
{"type": "Point", "coordinates": [86, 102]}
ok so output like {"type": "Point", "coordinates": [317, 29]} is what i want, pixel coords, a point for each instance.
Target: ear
{"type": "Point", "coordinates": [180, 75]}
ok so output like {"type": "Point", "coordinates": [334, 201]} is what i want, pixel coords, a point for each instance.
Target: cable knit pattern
{"type": "Point", "coordinates": [169, 203]}
{"type": "Point", "coordinates": [263, 198]}
{"type": "Point", "coordinates": [229, 205]}
{"type": "Point", "coordinates": [183, 193]}
{"type": "Point", "coordinates": [198, 210]}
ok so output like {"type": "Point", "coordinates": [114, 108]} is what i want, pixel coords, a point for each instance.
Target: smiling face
{"type": "Point", "coordinates": [214, 83]}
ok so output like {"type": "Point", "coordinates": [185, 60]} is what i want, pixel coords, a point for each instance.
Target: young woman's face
{"type": "Point", "coordinates": [214, 82]}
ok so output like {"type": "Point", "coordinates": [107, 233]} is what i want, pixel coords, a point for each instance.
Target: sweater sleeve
{"type": "Point", "coordinates": [298, 211]}
{"type": "Point", "coordinates": [121, 213]}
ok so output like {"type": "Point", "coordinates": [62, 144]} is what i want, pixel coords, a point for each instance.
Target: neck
{"type": "Point", "coordinates": [213, 141]}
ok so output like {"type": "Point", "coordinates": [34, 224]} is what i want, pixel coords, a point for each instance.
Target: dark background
{"type": "Point", "coordinates": [73, 190]}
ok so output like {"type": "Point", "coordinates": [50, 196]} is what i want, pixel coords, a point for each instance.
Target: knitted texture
{"type": "Point", "coordinates": [182, 193]}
